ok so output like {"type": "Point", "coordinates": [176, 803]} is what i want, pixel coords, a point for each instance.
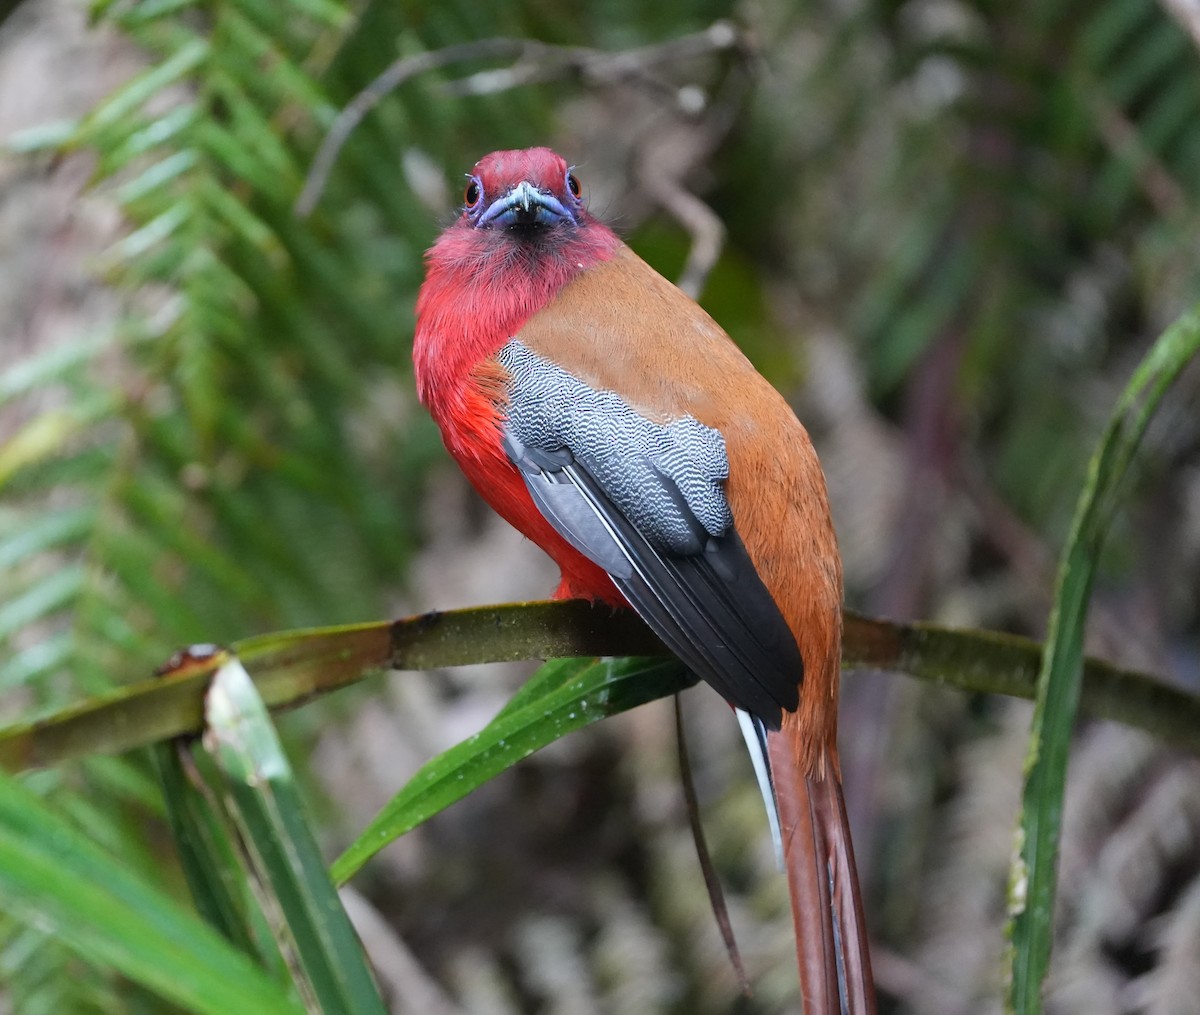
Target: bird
{"type": "Point", "coordinates": [607, 417]}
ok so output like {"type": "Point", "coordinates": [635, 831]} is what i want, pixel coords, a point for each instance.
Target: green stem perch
{"type": "Point", "coordinates": [290, 668]}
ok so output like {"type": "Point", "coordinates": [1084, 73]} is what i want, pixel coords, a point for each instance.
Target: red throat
{"type": "Point", "coordinates": [480, 287]}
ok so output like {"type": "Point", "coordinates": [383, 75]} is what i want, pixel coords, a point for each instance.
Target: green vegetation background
{"type": "Point", "coordinates": [951, 231]}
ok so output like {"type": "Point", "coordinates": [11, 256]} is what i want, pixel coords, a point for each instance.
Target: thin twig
{"type": "Point", "coordinates": [698, 220]}
{"type": "Point", "coordinates": [712, 882]}
{"type": "Point", "coordinates": [535, 61]}
{"type": "Point", "coordinates": [1155, 180]}
{"type": "Point", "coordinates": [366, 100]}
{"type": "Point", "coordinates": [544, 62]}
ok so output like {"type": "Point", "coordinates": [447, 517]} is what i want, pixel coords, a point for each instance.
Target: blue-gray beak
{"type": "Point", "coordinates": [525, 205]}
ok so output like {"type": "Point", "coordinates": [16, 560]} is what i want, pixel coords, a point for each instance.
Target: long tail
{"type": "Point", "coordinates": [831, 935]}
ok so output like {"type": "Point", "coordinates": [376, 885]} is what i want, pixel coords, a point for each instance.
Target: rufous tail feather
{"type": "Point", "coordinates": [831, 935]}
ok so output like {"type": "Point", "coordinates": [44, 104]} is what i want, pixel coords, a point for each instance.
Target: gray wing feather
{"type": "Point", "coordinates": [645, 501]}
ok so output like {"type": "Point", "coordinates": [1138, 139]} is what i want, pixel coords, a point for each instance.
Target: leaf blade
{"type": "Point", "coordinates": [571, 698]}
{"type": "Point", "coordinates": [324, 952]}
{"type": "Point", "coordinates": [1033, 878]}
{"type": "Point", "coordinates": [52, 875]}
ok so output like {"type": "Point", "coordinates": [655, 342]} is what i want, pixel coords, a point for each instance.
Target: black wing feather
{"type": "Point", "coordinates": [709, 607]}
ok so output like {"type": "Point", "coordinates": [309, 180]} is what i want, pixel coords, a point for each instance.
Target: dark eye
{"type": "Point", "coordinates": [472, 195]}
{"type": "Point", "coordinates": [573, 185]}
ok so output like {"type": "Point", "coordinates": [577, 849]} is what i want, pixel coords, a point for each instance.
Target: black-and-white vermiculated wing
{"type": "Point", "coordinates": [645, 501]}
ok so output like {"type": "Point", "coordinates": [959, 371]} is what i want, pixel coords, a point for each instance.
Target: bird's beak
{"type": "Point", "coordinates": [525, 205]}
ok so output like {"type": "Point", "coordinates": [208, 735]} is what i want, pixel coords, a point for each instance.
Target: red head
{"type": "Point", "coordinates": [531, 193]}
{"type": "Point", "coordinates": [523, 234]}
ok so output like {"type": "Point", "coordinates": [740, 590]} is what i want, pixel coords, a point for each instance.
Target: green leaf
{"type": "Point", "coordinates": [228, 208]}
{"type": "Point", "coordinates": [138, 243]}
{"type": "Point", "coordinates": [547, 678]}
{"type": "Point", "coordinates": [130, 97]}
{"type": "Point", "coordinates": [54, 877]}
{"type": "Point", "coordinates": [565, 698]}
{"type": "Point", "coordinates": [158, 133]}
{"type": "Point", "coordinates": [43, 437]}
{"type": "Point", "coordinates": [156, 176]}
{"type": "Point", "coordinates": [1033, 880]}
{"type": "Point", "coordinates": [37, 372]}
{"type": "Point", "coordinates": [47, 595]}
{"type": "Point", "coordinates": [206, 854]}
{"type": "Point", "coordinates": [37, 535]}
{"type": "Point", "coordinates": [49, 136]}
{"type": "Point", "coordinates": [36, 660]}
{"type": "Point", "coordinates": [315, 932]}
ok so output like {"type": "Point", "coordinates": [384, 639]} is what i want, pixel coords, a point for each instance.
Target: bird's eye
{"type": "Point", "coordinates": [573, 185]}
{"type": "Point", "coordinates": [472, 194]}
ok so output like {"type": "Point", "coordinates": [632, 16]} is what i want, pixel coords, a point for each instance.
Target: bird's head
{"type": "Point", "coordinates": [523, 235]}
{"type": "Point", "coordinates": [527, 193]}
